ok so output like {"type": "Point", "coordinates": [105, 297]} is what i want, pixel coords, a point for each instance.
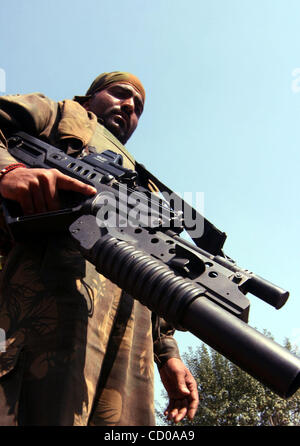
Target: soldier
{"type": "Point", "coordinates": [79, 351]}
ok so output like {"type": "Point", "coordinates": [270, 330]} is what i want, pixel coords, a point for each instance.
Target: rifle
{"type": "Point", "coordinates": [132, 236]}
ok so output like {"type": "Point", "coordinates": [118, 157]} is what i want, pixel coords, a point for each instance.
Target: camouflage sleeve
{"type": "Point", "coordinates": [5, 157]}
{"type": "Point", "coordinates": [164, 344]}
{"type": "Point", "coordinates": [33, 113]}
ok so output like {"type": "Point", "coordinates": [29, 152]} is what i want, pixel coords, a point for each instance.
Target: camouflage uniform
{"type": "Point", "coordinates": [78, 350]}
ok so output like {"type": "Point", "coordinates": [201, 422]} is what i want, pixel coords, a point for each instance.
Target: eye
{"type": "Point", "coordinates": [138, 107]}
{"type": "Point", "coordinates": [119, 92]}
{"type": "Point", "coordinates": [138, 111]}
{"type": "Point", "coordinates": [125, 93]}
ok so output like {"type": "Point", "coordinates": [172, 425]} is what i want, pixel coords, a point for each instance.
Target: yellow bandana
{"type": "Point", "coordinates": [105, 79]}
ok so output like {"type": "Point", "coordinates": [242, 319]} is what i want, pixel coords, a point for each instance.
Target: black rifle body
{"type": "Point", "coordinates": [145, 256]}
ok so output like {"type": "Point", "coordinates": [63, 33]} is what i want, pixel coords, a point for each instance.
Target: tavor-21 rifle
{"type": "Point", "coordinates": [132, 236]}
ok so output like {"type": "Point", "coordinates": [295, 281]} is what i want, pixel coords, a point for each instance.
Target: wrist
{"type": "Point", "coordinates": [9, 168]}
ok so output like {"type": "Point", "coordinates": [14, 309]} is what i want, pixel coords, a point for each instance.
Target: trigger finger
{"type": "Point", "coordinates": [50, 193]}
{"type": "Point", "coordinates": [37, 198]}
{"type": "Point", "coordinates": [27, 204]}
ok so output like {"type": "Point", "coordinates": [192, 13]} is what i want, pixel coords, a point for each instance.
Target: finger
{"type": "Point", "coordinates": [67, 183]}
{"type": "Point", "coordinates": [182, 408]}
{"type": "Point", "coordinates": [179, 411]}
{"type": "Point", "coordinates": [171, 410]}
{"type": "Point", "coordinates": [192, 409]}
{"type": "Point", "coordinates": [173, 414]}
{"type": "Point", "coordinates": [182, 386]}
{"type": "Point", "coordinates": [193, 402]}
{"type": "Point", "coordinates": [26, 203]}
{"type": "Point", "coordinates": [38, 198]}
{"type": "Point", "coordinates": [50, 192]}
{"type": "Point", "coordinates": [193, 398]}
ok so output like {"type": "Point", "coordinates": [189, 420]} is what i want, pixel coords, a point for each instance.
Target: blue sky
{"type": "Point", "coordinates": [222, 111]}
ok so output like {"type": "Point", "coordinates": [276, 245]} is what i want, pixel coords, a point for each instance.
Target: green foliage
{"type": "Point", "coordinates": [230, 397]}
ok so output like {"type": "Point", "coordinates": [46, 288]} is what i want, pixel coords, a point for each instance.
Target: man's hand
{"type": "Point", "coordinates": [36, 190]}
{"type": "Point", "coordinates": [181, 388]}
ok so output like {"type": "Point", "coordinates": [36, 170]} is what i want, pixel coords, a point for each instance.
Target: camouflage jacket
{"type": "Point", "coordinates": [79, 351]}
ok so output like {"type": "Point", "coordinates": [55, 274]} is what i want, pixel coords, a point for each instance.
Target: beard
{"type": "Point", "coordinates": [116, 124]}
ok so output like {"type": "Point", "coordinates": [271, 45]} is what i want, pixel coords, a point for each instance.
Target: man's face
{"type": "Point", "coordinates": [118, 107]}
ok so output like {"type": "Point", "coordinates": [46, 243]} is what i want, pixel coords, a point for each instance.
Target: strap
{"type": "Point", "coordinates": [9, 168]}
{"type": "Point", "coordinates": [212, 239]}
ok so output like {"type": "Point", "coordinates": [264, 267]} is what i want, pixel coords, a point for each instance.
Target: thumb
{"type": "Point", "coordinates": [182, 385]}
